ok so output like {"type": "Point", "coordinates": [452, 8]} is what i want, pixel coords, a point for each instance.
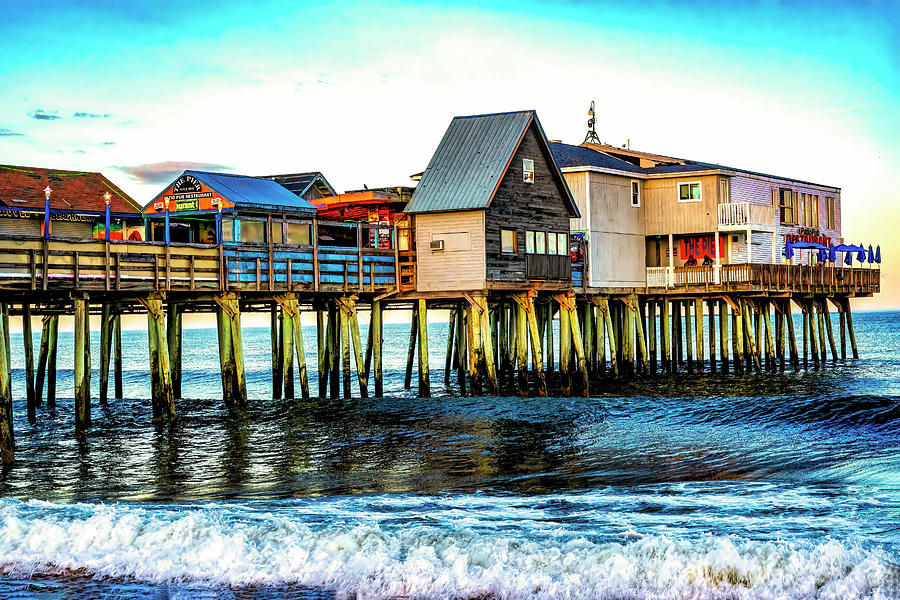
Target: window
{"type": "Point", "coordinates": [551, 243]}
{"type": "Point", "coordinates": [829, 213]}
{"type": "Point", "coordinates": [724, 191]}
{"type": "Point", "coordinates": [801, 210]}
{"type": "Point", "coordinates": [540, 242]}
{"type": "Point", "coordinates": [253, 232]}
{"type": "Point", "coordinates": [297, 233]}
{"type": "Point", "coordinates": [529, 242]}
{"type": "Point", "coordinates": [527, 170]}
{"type": "Point", "coordinates": [277, 232]}
{"type": "Point", "coordinates": [635, 193]}
{"type": "Point", "coordinates": [508, 241]}
{"type": "Point", "coordinates": [689, 192]}
{"type": "Point", "coordinates": [788, 206]}
{"type": "Point", "coordinates": [814, 212]}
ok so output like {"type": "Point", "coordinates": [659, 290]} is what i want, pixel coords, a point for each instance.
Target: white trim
{"type": "Point", "coordinates": [587, 223]}
{"type": "Point", "coordinates": [631, 193]}
{"type": "Point", "coordinates": [699, 184]}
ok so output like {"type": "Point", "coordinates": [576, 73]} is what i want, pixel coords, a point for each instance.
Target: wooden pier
{"type": "Point", "coordinates": [502, 340]}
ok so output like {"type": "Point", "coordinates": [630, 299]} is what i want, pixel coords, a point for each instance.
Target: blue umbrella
{"type": "Point", "coordinates": [878, 255]}
{"type": "Point", "coordinates": [861, 255]}
{"type": "Point", "coordinates": [848, 258]}
{"type": "Point", "coordinates": [823, 255]}
{"type": "Point", "coordinates": [788, 249]}
{"type": "Point", "coordinates": [832, 254]}
{"type": "Point", "coordinates": [871, 254]}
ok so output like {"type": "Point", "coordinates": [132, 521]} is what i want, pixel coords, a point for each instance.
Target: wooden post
{"type": "Point", "coordinates": [490, 369]}
{"type": "Point", "coordinates": [677, 345]}
{"type": "Point", "coordinates": [461, 349]}
{"type": "Point", "coordinates": [639, 328]}
{"type": "Point", "coordinates": [813, 343]}
{"type": "Point", "coordinates": [757, 328]}
{"type": "Point", "coordinates": [829, 329]}
{"type": "Point", "coordinates": [7, 441]}
{"type": "Point", "coordinates": [737, 339]}
{"type": "Point", "coordinates": [334, 343]}
{"type": "Point", "coordinates": [698, 331]}
{"type": "Point", "coordinates": [451, 334]}
{"type": "Point", "coordinates": [117, 356]}
{"type": "Point", "coordinates": [711, 307]}
{"type": "Point", "coordinates": [30, 393]}
{"type": "Point", "coordinates": [604, 306]}
{"type": "Point", "coordinates": [174, 339]}
{"type": "Point", "coordinates": [652, 324]}
{"type": "Point", "coordinates": [665, 330]}
{"type": "Point", "coordinates": [601, 336]}
{"type": "Point", "coordinates": [820, 319]}
{"type": "Point", "coordinates": [753, 350]}
{"type": "Point", "coordinates": [162, 398]}
{"type": "Point", "coordinates": [295, 316]}
{"type": "Point", "coordinates": [105, 346]}
{"type": "Point", "coordinates": [473, 325]}
{"type": "Point", "coordinates": [411, 352]}
{"type": "Point", "coordinates": [551, 357]}
{"type": "Point", "coordinates": [688, 337]}
{"type": "Point", "coordinates": [322, 352]}
{"type": "Point", "coordinates": [82, 389]}
{"type": "Point", "coordinates": [779, 333]}
{"type": "Point", "coordinates": [565, 349]}
{"type": "Point", "coordinates": [723, 334]}
{"type": "Point", "coordinates": [345, 349]}
{"type": "Point", "coordinates": [588, 329]}
{"type": "Point", "coordinates": [843, 323]}
{"type": "Point", "coordinates": [537, 362]}
{"type": "Point", "coordinates": [287, 353]}
{"type": "Point", "coordinates": [765, 314]}
{"type": "Point", "coordinates": [51, 361]}
{"type": "Point", "coordinates": [850, 328]}
{"type": "Point", "coordinates": [377, 343]}
{"type": "Point", "coordinates": [503, 341]}
{"type": "Point", "coordinates": [361, 375]}
{"type": "Point", "coordinates": [521, 348]}
{"type": "Point", "coordinates": [42, 360]}
{"type": "Point", "coordinates": [578, 344]}
{"type": "Point", "coordinates": [805, 335]}
{"type": "Point", "coordinates": [276, 344]}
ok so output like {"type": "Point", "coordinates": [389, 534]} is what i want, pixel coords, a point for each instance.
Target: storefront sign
{"type": "Point", "coordinates": [699, 247]}
{"type": "Point", "coordinates": [19, 214]}
{"type": "Point", "coordinates": [186, 204]}
{"type": "Point", "coordinates": [818, 239]}
{"type": "Point", "coordinates": [186, 184]}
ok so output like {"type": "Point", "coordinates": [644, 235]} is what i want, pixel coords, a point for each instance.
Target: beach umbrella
{"type": "Point", "coordinates": [878, 255]}
{"type": "Point", "coordinates": [871, 254]}
{"type": "Point", "coordinates": [848, 258]}
{"type": "Point", "coordinates": [832, 254]}
{"type": "Point", "coordinates": [861, 255]}
{"type": "Point", "coordinates": [788, 249]}
{"type": "Point", "coordinates": [823, 254]}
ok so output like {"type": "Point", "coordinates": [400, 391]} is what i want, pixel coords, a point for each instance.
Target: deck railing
{"type": "Point", "coordinates": [734, 214]}
{"type": "Point", "coordinates": [788, 278]}
{"type": "Point", "coordinates": [74, 264]}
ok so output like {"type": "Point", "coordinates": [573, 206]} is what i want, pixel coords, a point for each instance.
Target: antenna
{"type": "Point", "coordinates": [591, 136]}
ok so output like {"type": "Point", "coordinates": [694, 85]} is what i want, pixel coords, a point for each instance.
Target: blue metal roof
{"type": "Point", "coordinates": [254, 192]}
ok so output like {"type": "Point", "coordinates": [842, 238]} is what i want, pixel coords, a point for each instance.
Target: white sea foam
{"type": "Point", "coordinates": [221, 544]}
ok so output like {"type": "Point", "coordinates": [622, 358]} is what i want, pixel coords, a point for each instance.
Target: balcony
{"type": "Point", "coordinates": [766, 277]}
{"type": "Point", "coordinates": [739, 216]}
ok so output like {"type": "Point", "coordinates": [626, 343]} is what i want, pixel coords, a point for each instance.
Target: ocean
{"type": "Point", "coordinates": [774, 486]}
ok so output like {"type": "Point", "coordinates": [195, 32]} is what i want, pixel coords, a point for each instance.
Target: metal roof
{"type": "Point", "coordinates": [472, 158]}
{"type": "Point", "coordinates": [299, 183]}
{"type": "Point", "coordinates": [253, 192]}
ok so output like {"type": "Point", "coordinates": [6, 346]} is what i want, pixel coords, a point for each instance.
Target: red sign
{"type": "Point", "coordinates": [700, 247]}
{"type": "Point", "coordinates": [818, 239]}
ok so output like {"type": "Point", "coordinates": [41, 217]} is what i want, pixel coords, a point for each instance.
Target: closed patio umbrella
{"type": "Point", "coordinates": [878, 254]}
{"type": "Point", "coordinates": [861, 255]}
{"type": "Point", "coordinates": [871, 254]}
{"type": "Point", "coordinates": [788, 249]}
{"type": "Point", "coordinates": [832, 254]}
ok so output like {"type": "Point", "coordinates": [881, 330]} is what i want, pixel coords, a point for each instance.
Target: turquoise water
{"type": "Point", "coordinates": [692, 486]}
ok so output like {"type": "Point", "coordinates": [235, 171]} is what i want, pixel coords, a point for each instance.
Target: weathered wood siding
{"type": "Point", "coordinates": [537, 206]}
{"type": "Point", "coordinates": [461, 265]}
{"type": "Point", "coordinates": [664, 214]}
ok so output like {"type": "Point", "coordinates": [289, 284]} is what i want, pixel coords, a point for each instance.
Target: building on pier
{"type": "Point", "coordinates": [76, 205]}
{"type": "Point", "coordinates": [311, 186]}
{"type": "Point", "coordinates": [377, 206]}
{"type": "Point", "coordinates": [659, 215]}
{"type": "Point", "coordinates": [492, 209]}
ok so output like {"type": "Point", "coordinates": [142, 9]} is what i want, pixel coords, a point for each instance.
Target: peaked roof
{"type": "Point", "coordinates": [74, 191]}
{"type": "Point", "coordinates": [471, 160]}
{"type": "Point", "coordinates": [299, 183]}
{"type": "Point", "coordinates": [250, 192]}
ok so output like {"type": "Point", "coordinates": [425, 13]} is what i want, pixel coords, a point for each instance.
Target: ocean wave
{"type": "Point", "coordinates": [360, 558]}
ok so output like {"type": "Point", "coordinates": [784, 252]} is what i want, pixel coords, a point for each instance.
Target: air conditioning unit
{"type": "Point", "coordinates": [437, 245]}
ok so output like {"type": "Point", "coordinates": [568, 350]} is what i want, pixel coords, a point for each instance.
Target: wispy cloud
{"type": "Point", "coordinates": [163, 172]}
{"type": "Point", "coordinates": [108, 144]}
{"type": "Point", "coordinates": [44, 115]}
{"type": "Point", "coordinates": [9, 133]}
{"type": "Point", "coordinates": [89, 115]}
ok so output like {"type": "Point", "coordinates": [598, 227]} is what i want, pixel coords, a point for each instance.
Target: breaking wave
{"type": "Point", "coordinates": [364, 558]}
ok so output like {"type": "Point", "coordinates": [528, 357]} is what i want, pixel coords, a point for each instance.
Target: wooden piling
{"type": "Point", "coordinates": [411, 350]}
{"type": "Point", "coordinates": [51, 361]}
{"type": "Point", "coordinates": [711, 307]}
{"type": "Point", "coordinates": [161, 394]}
{"type": "Point", "coordinates": [105, 347]}
{"type": "Point", "coordinates": [30, 392]}
{"type": "Point", "coordinates": [698, 331]}
{"type": "Point", "coordinates": [345, 349]}
{"type": "Point", "coordinates": [448, 360]}
{"type": "Point", "coordinates": [843, 324]}
{"type": "Point", "coordinates": [565, 350]}
{"type": "Point", "coordinates": [765, 315]}
{"type": "Point", "coordinates": [820, 320]}
{"type": "Point", "coordinates": [42, 360]}
{"type": "Point", "coordinates": [737, 338]}
{"type": "Point", "coordinates": [334, 343]}
{"type": "Point", "coordinates": [321, 352]}
{"type": "Point", "coordinates": [174, 339]}
{"type": "Point", "coordinates": [487, 341]}
{"type": "Point", "coordinates": [549, 350]}
{"type": "Point", "coordinates": [652, 324]}
{"type": "Point", "coordinates": [348, 308]}
{"type": "Point", "coordinates": [424, 376]}
{"type": "Point", "coordinates": [231, 353]}
{"type": "Point", "coordinates": [792, 339]}
{"type": "Point", "coordinates": [779, 334]}
{"type": "Point", "coordinates": [537, 363]}
{"type": "Point", "coordinates": [521, 348]}
{"type": "Point", "coordinates": [82, 364]}
{"type": "Point", "coordinates": [604, 306]}
{"type": "Point", "coordinates": [828, 327]}
{"type": "Point", "coordinates": [747, 312]}
{"type": "Point", "coordinates": [600, 328]}
{"type": "Point", "coordinates": [475, 347]}
{"type": "Point", "coordinates": [665, 327]}
{"type": "Point", "coordinates": [813, 343]}
{"type": "Point", "coordinates": [377, 347]}
{"type": "Point", "coordinates": [117, 357]}
{"type": "Point", "coordinates": [639, 330]}
{"type": "Point", "coordinates": [7, 441]}
{"type": "Point", "coordinates": [587, 327]}
{"type": "Point", "coordinates": [276, 344]}
{"type": "Point", "coordinates": [297, 325]}
{"type": "Point", "coordinates": [287, 353]}
{"type": "Point", "coordinates": [723, 334]}
{"type": "Point", "coordinates": [461, 359]}
{"type": "Point", "coordinates": [850, 329]}
{"type": "Point", "coordinates": [689, 338]}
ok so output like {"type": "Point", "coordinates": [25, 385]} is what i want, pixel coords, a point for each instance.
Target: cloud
{"type": "Point", "coordinates": [88, 115]}
{"type": "Point", "coordinates": [163, 172]}
{"type": "Point", "coordinates": [44, 115]}
{"type": "Point", "coordinates": [108, 144]}
{"type": "Point", "coordinates": [9, 132]}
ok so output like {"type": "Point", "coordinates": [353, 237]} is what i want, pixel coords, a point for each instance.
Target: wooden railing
{"type": "Point", "coordinates": [738, 215]}
{"type": "Point", "coordinates": [788, 278]}
{"type": "Point", "coordinates": [70, 264]}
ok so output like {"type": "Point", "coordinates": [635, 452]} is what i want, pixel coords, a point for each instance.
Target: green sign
{"type": "Point", "coordinates": [186, 204]}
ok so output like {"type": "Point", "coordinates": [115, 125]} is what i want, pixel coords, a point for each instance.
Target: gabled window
{"type": "Point", "coordinates": [635, 193]}
{"type": "Point", "coordinates": [689, 192]}
{"type": "Point", "coordinates": [527, 170]}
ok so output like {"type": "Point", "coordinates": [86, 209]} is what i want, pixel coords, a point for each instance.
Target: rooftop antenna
{"type": "Point", "coordinates": [591, 136]}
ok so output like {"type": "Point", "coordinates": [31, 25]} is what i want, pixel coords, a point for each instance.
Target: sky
{"type": "Point", "coordinates": [363, 92]}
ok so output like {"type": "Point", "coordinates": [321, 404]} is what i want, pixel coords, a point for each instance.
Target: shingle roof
{"type": "Point", "coordinates": [77, 191]}
{"type": "Point", "coordinates": [252, 192]}
{"type": "Point", "coordinates": [299, 183]}
{"type": "Point", "coordinates": [472, 158]}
